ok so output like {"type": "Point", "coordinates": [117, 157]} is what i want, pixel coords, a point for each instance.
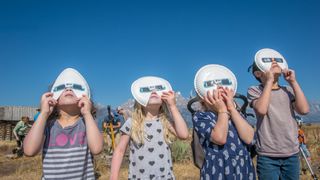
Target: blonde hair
{"type": "Point", "coordinates": [138, 117]}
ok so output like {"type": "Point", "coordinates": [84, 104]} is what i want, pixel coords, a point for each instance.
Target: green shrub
{"type": "Point", "coordinates": [180, 151]}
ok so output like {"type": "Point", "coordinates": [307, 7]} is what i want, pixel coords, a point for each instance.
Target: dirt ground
{"type": "Point", "coordinates": [29, 168]}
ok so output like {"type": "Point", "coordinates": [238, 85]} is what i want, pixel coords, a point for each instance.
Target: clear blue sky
{"type": "Point", "coordinates": [113, 43]}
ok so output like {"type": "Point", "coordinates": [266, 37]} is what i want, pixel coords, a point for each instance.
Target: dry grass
{"type": "Point", "coordinates": [18, 168]}
{"type": "Point", "coordinates": [26, 168]}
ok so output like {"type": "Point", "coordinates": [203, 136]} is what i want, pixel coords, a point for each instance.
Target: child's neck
{"type": "Point", "coordinates": [275, 85]}
{"type": "Point", "coordinates": [152, 112]}
{"type": "Point", "coordinates": [68, 118]}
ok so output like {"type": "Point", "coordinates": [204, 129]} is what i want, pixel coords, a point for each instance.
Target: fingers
{"type": "Point", "coordinates": [81, 103]}
{"type": "Point", "coordinates": [47, 94]}
{"type": "Point", "coordinates": [168, 93]}
{"type": "Point", "coordinates": [48, 98]}
{"type": "Point", "coordinates": [229, 92]}
{"type": "Point", "coordinates": [206, 100]}
{"type": "Point", "coordinates": [210, 97]}
{"type": "Point", "coordinates": [85, 102]}
{"type": "Point", "coordinates": [52, 102]}
{"type": "Point", "coordinates": [224, 96]}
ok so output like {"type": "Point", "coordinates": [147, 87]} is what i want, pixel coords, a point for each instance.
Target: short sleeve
{"type": "Point", "coordinates": [18, 126]}
{"type": "Point", "coordinates": [254, 92]}
{"type": "Point", "coordinates": [126, 128]}
{"type": "Point", "coordinates": [290, 93]}
{"type": "Point", "coordinates": [203, 123]}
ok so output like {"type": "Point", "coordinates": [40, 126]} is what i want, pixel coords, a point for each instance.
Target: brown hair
{"type": "Point", "coordinates": [25, 118]}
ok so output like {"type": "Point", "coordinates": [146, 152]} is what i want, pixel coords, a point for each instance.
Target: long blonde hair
{"type": "Point", "coordinates": [138, 118]}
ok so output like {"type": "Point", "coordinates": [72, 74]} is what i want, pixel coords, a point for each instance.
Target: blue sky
{"type": "Point", "coordinates": [112, 43]}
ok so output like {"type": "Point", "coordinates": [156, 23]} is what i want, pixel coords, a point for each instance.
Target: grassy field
{"type": "Point", "coordinates": [26, 168]}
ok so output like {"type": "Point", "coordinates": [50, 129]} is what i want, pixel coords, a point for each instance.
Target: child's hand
{"type": "Point", "coordinates": [47, 103]}
{"type": "Point", "coordinates": [268, 76]}
{"type": "Point", "coordinates": [228, 98]}
{"type": "Point", "coordinates": [289, 75]}
{"type": "Point", "coordinates": [85, 105]}
{"type": "Point", "coordinates": [214, 101]}
{"type": "Point", "coordinates": [169, 98]}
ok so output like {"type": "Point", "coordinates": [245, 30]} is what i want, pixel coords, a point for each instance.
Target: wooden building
{"type": "Point", "coordinates": [10, 116]}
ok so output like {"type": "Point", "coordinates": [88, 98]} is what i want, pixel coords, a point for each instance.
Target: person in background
{"type": "Point", "coordinates": [112, 118]}
{"type": "Point", "coordinates": [303, 145]}
{"type": "Point", "coordinates": [19, 132]}
{"type": "Point", "coordinates": [35, 117]}
{"type": "Point", "coordinates": [124, 113]}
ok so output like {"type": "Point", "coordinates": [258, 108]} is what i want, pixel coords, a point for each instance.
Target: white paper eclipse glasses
{"type": "Point", "coordinates": [263, 59]}
{"type": "Point", "coordinates": [142, 88]}
{"type": "Point", "coordinates": [211, 76]}
{"type": "Point", "coordinates": [70, 78]}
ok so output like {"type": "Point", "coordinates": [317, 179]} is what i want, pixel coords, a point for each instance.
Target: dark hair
{"type": "Point", "coordinates": [254, 68]}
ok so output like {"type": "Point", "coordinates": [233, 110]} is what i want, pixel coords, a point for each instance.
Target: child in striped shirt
{"type": "Point", "coordinates": [66, 132]}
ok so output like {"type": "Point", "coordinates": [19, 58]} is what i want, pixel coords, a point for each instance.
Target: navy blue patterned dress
{"type": "Point", "coordinates": [229, 161]}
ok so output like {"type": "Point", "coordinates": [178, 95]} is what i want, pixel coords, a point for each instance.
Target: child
{"type": "Point", "coordinates": [274, 105]}
{"type": "Point", "coordinates": [20, 131]}
{"type": "Point", "coordinates": [149, 132]}
{"type": "Point", "coordinates": [66, 130]}
{"type": "Point", "coordinates": [223, 133]}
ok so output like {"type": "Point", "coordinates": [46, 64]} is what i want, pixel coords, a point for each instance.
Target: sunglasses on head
{"type": "Point", "coordinates": [152, 88]}
{"type": "Point", "coordinates": [68, 85]}
{"type": "Point", "coordinates": [218, 82]}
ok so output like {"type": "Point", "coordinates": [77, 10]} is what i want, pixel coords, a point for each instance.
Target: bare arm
{"type": "Point", "coordinates": [94, 137]}
{"type": "Point", "coordinates": [261, 104]}
{"type": "Point", "coordinates": [220, 131]}
{"type": "Point", "coordinates": [244, 129]}
{"type": "Point", "coordinates": [301, 104]}
{"type": "Point", "coordinates": [118, 156]}
{"type": "Point", "coordinates": [214, 101]}
{"type": "Point", "coordinates": [179, 125]}
{"type": "Point", "coordinates": [15, 133]}
{"type": "Point", "coordinates": [35, 138]}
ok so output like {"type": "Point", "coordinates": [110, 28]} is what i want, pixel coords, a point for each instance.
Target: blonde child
{"type": "Point", "coordinates": [149, 133]}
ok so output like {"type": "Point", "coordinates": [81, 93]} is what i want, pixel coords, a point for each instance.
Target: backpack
{"type": "Point", "coordinates": [197, 151]}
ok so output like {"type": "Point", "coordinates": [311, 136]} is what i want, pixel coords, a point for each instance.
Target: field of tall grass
{"type": "Point", "coordinates": [26, 168]}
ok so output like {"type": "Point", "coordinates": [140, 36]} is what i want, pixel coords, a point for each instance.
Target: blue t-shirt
{"type": "Point", "coordinates": [35, 117]}
{"type": "Point", "coordinates": [116, 118]}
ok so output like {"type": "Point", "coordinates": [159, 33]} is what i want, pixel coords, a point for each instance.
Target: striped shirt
{"type": "Point", "coordinates": [66, 154]}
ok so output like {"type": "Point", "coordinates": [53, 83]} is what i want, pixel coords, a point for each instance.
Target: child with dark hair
{"type": "Point", "coordinates": [66, 130]}
{"type": "Point", "coordinates": [274, 105]}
